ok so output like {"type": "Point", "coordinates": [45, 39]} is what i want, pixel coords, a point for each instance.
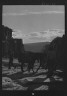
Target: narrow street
{"type": "Point", "coordinates": [14, 79]}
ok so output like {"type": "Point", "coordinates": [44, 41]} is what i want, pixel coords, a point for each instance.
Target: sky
{"type": "Point", "coordinates": [34, 23]}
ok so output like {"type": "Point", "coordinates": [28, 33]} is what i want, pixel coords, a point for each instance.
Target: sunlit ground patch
{"type": "Point", "coordinates": [6, 79]}
{"type": "Point", "coordinates": [15, 61]}
{"type": "Point", "coordinates": [35, 69]}
{"type": "Point", "coordinates": [59, 70]}
{"type": "Point", "coordinates": [11, 71]}
{"type": "Point", "coordinates": [43, 87]}
{"type": "Point", "coordinates": [40, 76]}
{"type": "Point", "coordinates": [26, 72]}
{"type": "Point", "coordinates": [58, 78]}
{"type": "Point", "coordinates": [15, 87]}
{"type": "Point", "coordinates": [42, 71]}
{"type": "Point", "coordinates": [8, 84]}
{"type": "Point", "coordinates": [5, 60]}
{"type": "Point", "coordinates": [4, 68]}
{"type": "Point", "coordinates": [25, 80]}
{"type": "Point", "coordinates": [47, 80]}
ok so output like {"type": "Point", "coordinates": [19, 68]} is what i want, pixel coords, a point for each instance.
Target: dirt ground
{"type": "Point", "coordinates": [14, 79]}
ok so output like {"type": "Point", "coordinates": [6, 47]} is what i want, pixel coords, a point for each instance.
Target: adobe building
{"type": "Point", "coordinates": [18, 46]}
{"type": "Point", "coordinates": [6, 36]}
{"type": "Point", "coordinates": [9, 43]}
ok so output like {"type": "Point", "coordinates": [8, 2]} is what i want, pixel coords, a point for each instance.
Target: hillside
{"type": "Point", "coordinates": [35, 47]}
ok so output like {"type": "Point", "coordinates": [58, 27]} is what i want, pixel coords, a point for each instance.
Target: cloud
{"type": "Point", "coordinates": [47, 12]}
{"type": "Point", "coordinates": [17, 34]}
{"type": "Point", "coordinates": [34, 13]}
{"type": "Point", "coordinates": [44, 36]}
{"type": "Point", "coordinates": [34, 34]}
{"type": "Point", "coordinates": [56, 32]}
{"type": "Point", "coordinates": [43, 32]}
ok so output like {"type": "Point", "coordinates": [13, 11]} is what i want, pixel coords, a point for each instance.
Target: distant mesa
{"type": "Point", "coordinates": [35, 47]}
